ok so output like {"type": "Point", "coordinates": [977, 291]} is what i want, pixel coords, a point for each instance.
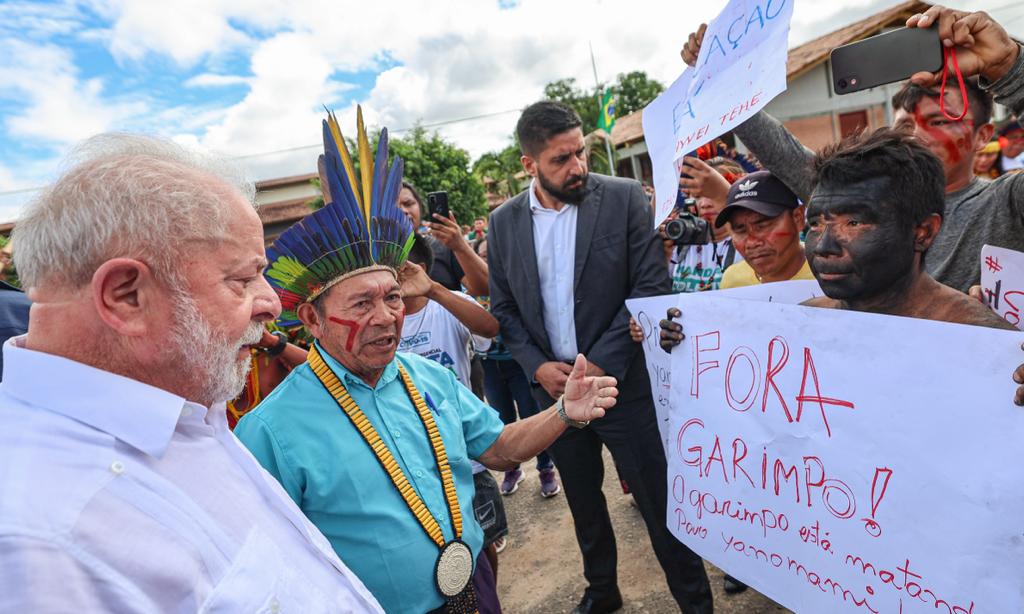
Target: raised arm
{"type": "Point", "coordinates": [775, 147]}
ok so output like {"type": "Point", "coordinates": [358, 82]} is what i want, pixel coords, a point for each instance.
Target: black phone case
{"type": "Point", "coordinates": [889, 57]}
{"type": "Point", "coordinates": [438, 203]}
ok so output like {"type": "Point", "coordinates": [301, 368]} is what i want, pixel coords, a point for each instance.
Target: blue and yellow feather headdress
{"type": "Point", "coordinates": [359, 229]}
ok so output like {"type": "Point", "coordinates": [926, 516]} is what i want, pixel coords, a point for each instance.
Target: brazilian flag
{"type": "Point", "coordinates": [607, 119]}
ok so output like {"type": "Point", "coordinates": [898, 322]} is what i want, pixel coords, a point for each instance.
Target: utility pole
{"type": "Point", "coordinates": [600, 111]}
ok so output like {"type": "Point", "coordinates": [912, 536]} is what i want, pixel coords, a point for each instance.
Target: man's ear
{"type": "Point", "coordinates": [983, 135]}
{"type": "Point", "coordinates": [125, 294]}
{"type": "Point", "coordinates": [310, 319]}
{"type": "Point", "coordinates": [800, 217]}
{"type": "Point", "coordinates": [926, 231]}
{"type": "Point", "coordinates": [529, 165]}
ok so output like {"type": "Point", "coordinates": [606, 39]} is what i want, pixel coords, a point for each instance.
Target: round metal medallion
{"type": "Point", "coordinates": [454, 568]}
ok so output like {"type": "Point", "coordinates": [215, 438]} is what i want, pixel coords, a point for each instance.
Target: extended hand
{"type": "Point", "coordinates": [671, 332]}
{"type": "Point", "coordinates": [982, 46]}
{"type": "Point", "coordinates": [414, 280]}
{"type": "Point", "coordinates": [447, 231]}
{"type": "Point", "coordinates": [587, 397]}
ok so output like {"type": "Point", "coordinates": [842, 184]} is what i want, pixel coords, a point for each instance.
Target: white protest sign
{"type": "Point", "coordinates": [849, 462]}
{"type": "Point", "coordinates": [1002, 282]}
{"type": "Point", "coordinates": [650, 310]}
{"type": "Point", "coordinates": [742, 66]}
{"type": "Point", "coordinates": [793, 291]}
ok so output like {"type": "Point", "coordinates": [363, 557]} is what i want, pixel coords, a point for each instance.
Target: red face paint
{"type": "Point", "coordinates": [951, 138]}
{"type": "Point", "coordinates": [352, 332]}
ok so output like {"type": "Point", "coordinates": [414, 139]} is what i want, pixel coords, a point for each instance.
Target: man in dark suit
{"type": "Point", "coordinates": [563, 257]}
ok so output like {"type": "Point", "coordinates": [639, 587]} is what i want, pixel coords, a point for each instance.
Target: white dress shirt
{"type": "Point", "coordinates": [121, 497]}
{"type": "Point", "coordinates": [554, 241]}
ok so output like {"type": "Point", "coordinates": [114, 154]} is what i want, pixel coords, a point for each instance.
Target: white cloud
{"type": "Point", "coordinates": [215, 80]}
{"type": "Point", "coordinates": [38, 21]}
{"type": "Point", "coordinates": [58, 107]}
{"type": "Point", "coordinates": [438, 62]}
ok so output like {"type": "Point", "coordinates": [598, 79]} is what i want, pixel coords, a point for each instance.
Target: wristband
{"type": "Point", "coordinates": [282, 343]}
{"type": "Point", "coordinates": [560, 407]}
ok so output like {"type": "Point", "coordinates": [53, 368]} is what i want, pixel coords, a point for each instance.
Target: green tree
{"type": "Point", "coordinates": [503, 168]}
{"type": "Point", "coordinates": [634, 91]}
{"type": "Point", "coordinates": [433, 164]}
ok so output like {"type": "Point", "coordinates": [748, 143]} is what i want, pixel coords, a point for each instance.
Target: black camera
{"type": "Point", "coordinates": [688, 229]}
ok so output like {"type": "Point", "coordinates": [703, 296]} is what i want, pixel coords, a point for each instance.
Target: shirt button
{"type": "Point", "coordinates": [186, 412]}
{"type": "Point", "coordinates": [117, 467]}
{"type": "Point", "coordinates": [275, 605]}
{"type": "Point", "coordinates": [419, 473]}
{"type": "Point", "coordinates": [398, 434]}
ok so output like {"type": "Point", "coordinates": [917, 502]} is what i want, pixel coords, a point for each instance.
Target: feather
{"type": "Point", "coordinates": [342, 149]}
{"type": "Point", "coordinates": [359, 226]}
{"type": "Point", "coordinates": [365, 164]}
{"type": "Point", "coordinates": [380, 169]}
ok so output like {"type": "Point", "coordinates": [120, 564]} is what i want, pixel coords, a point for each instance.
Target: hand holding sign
{"type": "Point", "coordinates": [692, 47]}
{"type": "Point", "coordinates": [739, 65]}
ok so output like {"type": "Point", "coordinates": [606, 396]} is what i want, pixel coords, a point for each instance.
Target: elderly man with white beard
{"type": "Point", "coordinates": [123, 489]}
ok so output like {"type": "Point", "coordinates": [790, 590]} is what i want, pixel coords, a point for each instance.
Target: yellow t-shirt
{"type": "Point", "coordinates": [741, 274]}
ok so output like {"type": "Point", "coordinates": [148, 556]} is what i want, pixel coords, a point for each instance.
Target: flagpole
{"type": "Point", "coordinates": [600, 111]}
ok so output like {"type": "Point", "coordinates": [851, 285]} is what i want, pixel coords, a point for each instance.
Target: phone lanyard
{"type": "Point", "coordinates": [949, 53]}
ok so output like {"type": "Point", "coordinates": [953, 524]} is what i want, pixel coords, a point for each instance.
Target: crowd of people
{"type": "Point", "coordinates": [193, 422]}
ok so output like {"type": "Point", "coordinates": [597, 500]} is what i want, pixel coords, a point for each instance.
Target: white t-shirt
{"type": "Point", "coordinates": [434, 333]}
{"type": "Point", "coordinates": [700, 267]}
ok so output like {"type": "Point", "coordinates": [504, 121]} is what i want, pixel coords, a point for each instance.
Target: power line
{"type": "Point", "coordinates": [397, 131]}
{"type": "Point", "coordinates": [317, 145]}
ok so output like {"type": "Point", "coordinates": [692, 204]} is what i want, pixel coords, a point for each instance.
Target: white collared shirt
{"type": "Point", "coordinates": [116, 496]}
{"type": "Point", "coordinates": [554, 242]}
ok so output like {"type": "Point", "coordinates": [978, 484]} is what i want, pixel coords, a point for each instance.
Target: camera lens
{"type": "Point", "coordinates": [842, 83]}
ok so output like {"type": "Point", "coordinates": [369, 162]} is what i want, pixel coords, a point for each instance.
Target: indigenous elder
{"type": "Point", "coordinates": [976, 211]}
{"type": "Point", "coordinates": [875, 209]}
{"type": "Point", "coordinates": [564, 255]}
{"type": "Point", "coordinates": [375, 446]}
{"type": "Point", "coordinates": [123, 489]}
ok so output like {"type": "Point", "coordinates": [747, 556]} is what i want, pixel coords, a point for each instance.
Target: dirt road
{"type": "Point", "coordinates": [541, 570]}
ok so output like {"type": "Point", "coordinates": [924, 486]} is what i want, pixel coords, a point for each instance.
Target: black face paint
{"type": "Point", "coordinates": [856, 247]}
{"type": "Point", "coordinates": [563, 193]}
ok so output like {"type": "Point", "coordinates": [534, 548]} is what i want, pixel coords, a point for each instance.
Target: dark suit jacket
{"type": "Point", "coordinates": [618, 256]}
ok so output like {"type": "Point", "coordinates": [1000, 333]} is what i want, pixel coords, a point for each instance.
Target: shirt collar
{"type": "Point", "coordinates": [138, 414]}
{"type": "Point", "coordinates": [536, 207]}
{"type": "Point", "coordinates": [348, 378]}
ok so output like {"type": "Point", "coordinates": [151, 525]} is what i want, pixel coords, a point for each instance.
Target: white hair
{"type": "Point", "coordinates": [124, 195]}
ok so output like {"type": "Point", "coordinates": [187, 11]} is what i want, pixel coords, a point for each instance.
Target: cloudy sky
{"type": "Point", "coordinates": [248, 78]}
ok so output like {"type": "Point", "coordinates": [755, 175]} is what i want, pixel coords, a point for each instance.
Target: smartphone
{"type": "Point", "coordinates": [437, 202]}
{"type": "Point", "coordinates": [885, 58]}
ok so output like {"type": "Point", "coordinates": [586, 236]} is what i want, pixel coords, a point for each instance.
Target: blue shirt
{"type": "Point", "coordinates": [301, 436]}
